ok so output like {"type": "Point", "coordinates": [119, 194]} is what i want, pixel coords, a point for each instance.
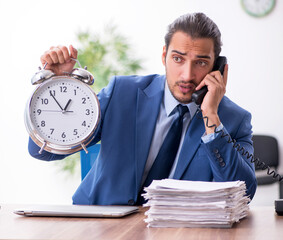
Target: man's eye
{"type": "Point", "coordinates": [177, 59]}
{"type": "Point", "coordinates": [202, 63]}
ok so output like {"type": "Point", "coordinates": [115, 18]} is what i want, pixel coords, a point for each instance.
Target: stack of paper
{"type": "Point", "coordinates": [179, 203]}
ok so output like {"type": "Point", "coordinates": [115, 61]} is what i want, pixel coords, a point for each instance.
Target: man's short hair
{"type": "Point", "coordinates": [196, 25]}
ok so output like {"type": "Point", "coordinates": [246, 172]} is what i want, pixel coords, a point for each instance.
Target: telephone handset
{"type": "Point", "coordinates": [198, 96]}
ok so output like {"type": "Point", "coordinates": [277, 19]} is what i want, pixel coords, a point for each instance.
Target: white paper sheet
{"type": "Point", "coordinates": [178, 203]}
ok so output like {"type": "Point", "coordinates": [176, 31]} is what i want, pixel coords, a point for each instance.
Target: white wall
{"type": "Point", "coordinates": [28, 28]}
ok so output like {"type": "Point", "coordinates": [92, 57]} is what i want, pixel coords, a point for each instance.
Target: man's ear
{"type": "Point", "coordinates": [164, 55]}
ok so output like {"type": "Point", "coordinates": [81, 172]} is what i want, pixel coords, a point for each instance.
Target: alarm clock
{"type": "Point", "coordinates": [63, 112]}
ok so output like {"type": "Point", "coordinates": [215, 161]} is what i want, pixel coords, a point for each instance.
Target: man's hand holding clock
{"type": "Point", "coordinates": [59, 59]}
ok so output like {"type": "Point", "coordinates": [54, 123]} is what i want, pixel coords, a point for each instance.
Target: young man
{"type": "Point", "coordinates": [138, 111]}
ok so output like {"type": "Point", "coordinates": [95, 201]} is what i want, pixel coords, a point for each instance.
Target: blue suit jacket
{"type": "Point", "coordinates": [129, 110]}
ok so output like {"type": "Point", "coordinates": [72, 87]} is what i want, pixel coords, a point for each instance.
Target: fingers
{"type": "Point", "coordinates": [225, 74]}
{"type": "Point", "coordinates": [202, 84]}
{"type": "Point", "coordinates": [73, 51]}
{"type": "Point", "coordinates": [215, 78]}
{"type": "Point", "coordinates": [58, 55]}
{"type": "Point", "coordinates": [216, 83]}
{"type": "Point", "coordinates": [221, 79]}
{"type": "Point", "coordinates": [209, 81]}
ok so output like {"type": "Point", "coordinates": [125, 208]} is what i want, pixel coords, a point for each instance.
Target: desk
{"type": "Point", "coordinates": [261, 223]}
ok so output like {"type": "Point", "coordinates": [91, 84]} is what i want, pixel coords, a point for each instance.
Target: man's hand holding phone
{"type": "Point", "coordinates": [216, 86]}
{"type": "Point", "coordinates": [59, 59]}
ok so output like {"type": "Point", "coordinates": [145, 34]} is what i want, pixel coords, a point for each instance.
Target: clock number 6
{"type": "Point", "coordinates": [63, 135]}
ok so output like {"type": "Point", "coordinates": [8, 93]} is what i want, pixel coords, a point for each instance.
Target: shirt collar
{"type": "Point", "coordinates": [170, 102]}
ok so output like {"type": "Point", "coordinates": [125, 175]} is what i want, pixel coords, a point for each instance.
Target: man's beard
{"type": "Point", "coordinates": [186, 99]}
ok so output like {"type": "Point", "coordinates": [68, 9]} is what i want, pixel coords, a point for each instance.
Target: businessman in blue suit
{"type": "Point", "coordinates": [138, 111]}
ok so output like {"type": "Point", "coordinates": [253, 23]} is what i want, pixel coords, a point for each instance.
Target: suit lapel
{"type": "Point", "coordinates": [190, 145]}
{"type": "Point", "coordinates": [148, 105]}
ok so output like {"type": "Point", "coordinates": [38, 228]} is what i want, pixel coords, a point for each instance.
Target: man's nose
{"type": "Point", "coordinates": [188, 72]}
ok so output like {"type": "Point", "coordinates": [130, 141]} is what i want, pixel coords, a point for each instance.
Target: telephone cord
{"type": "Point", "coordinates": [243, 151]}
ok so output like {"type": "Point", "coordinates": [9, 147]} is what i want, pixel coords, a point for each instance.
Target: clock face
{"type": "Point", "coordinates": [64, 111]}
{"type": "Point", "coordinates": [258, 8]}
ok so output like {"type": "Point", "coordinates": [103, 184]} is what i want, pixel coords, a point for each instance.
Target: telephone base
{"type": "Point", "coordinates": [279, 207]}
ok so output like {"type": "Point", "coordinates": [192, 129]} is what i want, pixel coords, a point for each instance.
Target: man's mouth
{"type": "Point", "coordinates": [186, 87]}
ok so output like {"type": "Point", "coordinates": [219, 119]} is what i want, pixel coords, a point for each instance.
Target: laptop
{"type": "Point", "coordinates": [76, 211]}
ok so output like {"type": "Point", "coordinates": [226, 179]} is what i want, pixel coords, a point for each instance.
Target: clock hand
{"type": "Point", "coordinates": [51, 111]}
{"type": "Point", "coordinates": [55, 100]}
{"type": "Point", "coordinates": [54, 111]}
{"type": "Point", "coordinates": [68, 103]}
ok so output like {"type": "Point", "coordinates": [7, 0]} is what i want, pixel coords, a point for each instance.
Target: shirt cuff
{"type": "Point", "coordinates": [208, 138]}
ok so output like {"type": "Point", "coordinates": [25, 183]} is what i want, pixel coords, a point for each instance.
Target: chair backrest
{"type": "Point", "coordinates": [266, 150]}
{"type": "Point", "coordinates": [87, 159]}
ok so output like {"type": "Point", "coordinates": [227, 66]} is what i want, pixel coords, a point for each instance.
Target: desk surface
{"type": "Point", "coordinates": [261, 223]}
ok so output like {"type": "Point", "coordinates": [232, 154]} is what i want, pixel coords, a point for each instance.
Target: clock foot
{"type": "Point", "coordinates": [42, 148]}
{"type": "Point", "coordinates": [84, 148]}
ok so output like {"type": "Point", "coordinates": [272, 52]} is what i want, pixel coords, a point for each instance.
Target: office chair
{"type": "Point", "coordinates": [87, 159]}
{"type": "Point", "coordinates": [266, 150]}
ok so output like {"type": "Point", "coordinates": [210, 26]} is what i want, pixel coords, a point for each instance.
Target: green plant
{"type": "Point", "coordinates": [105, 55]}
